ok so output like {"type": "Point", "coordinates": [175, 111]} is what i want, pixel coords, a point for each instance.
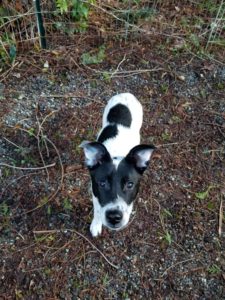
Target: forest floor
{"type": "Point", "coordinates": [174, 247]}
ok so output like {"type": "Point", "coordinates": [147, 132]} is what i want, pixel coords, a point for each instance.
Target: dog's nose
{"type": "Point", "coordinates": [114, 216]}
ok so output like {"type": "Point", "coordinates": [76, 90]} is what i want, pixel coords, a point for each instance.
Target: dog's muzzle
{"type": "Point", "coordinates": [114, 218]}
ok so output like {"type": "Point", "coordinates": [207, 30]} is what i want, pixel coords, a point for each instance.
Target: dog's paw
{"type": "Point", "coordinates": [96, 228]}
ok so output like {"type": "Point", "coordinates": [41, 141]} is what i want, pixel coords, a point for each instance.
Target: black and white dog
{"type": "Point", "coordinates": [116, 162]}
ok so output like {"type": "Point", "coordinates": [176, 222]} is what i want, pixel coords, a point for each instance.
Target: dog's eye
{"type": "Point", "coordinates": [102, 183]}
{"type": "Point", "coordinates": [129, 184]}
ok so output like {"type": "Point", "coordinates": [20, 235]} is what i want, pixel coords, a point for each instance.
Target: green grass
{"type": "Point", "coordinates": [88, 58]}
{"type": "Point", "coordinates": [4, 209]}
{"type": "Point", "coordinates": [67, 206]}
{"type": "Point", "coordinates": [214, 269]}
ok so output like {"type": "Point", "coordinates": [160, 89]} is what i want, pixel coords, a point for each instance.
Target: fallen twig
{"type": "Point", "coordinates": [169, 144]}
{"type": "Point", "coordinates": [81, 235]}
{"type": "Point", "coordinates": [117, 68]}
{"type": "Point", "coordinates": [39, 146]}
{"type": "Point", "coordinates": [220, 218]}
{"type": "Point", "coordinates": [21, 168]}
{"type": "Point", "coordinates": [125, 73]}
{"type": "Point", "coordinates": [60, 160]}
{"type": "Point", "coordinates": [15, 145]}
{"type": "Point", "coordinates": [13, 181]}
{"type": "Point", "coordinates": [176, 264]}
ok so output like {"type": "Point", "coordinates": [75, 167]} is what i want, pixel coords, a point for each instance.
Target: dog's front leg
{"type": "Point", "coordinates": [96, 224]}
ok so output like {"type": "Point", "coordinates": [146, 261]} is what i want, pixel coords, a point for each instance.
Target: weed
{"type": "Point", "coordinates": [167, 237]}
{"type": "Point", "coordinates": [62, 5]}
{"type": "Point", "coordinates": [144, 62]}
{"type": "Point", "coordinates": [203, 195]}
{"type": "Point", "coordinates": [40, 238]}
{"type": "Point", "coordinates": [202, 94]}
{"type": "Point", "coordinates": [214, 269]}
{"type": "Point", "coordinates": [209, 6]}
{"type": "Point", "coordinates": [220, 85]}
{"type": "Point", "coordinates": [76, 145]}
{"type": "Point", "coordinates": [31, 132]}
{"type": "Point", "coordinates": [22, 151]}
{"type": "Point", "coordinates": [125, 296]}
{"type": "Point", "coordinates": [26, 157]}
{"type": "Point", "coordinates": [4, 214]}
{"type": "Point", "coordinates": [7, 48]}
{"type": "Point", "coordinates": [218, 42]}
{"type": "Point", "coordinates": [18, 294]}
{"type": "Point", "coordinates": [28, 160]}
{"type": "Point", "coordinates": [106, 76]}
{"type": "Point", "coordinates": [49, 210]}
{"type": "Point", "coordinates": [211, 206]}
{"type": "Point", "coordinates": [67, 206]}
{"type": "Point", "coordinates": [166, 213]}
{"type": "Point", "coordinates": [194, 39]}
{"type": "Point", "coordinates": [4, 209]}
{"type": "Point", "coordinates": [48, 239]}
{"type": "Point", "coordinates": [175, 119]}
{"type": "Point", "coordinates": [88, 58]}
{"type": "Point", "coordinates": [164, 88]}
{"type": "Point", "coordinates": [166, 136]}
{"type": "Point", "coordinates": [105, 280]}
{"type": "Point", "coordinates": [94, 84]}
{"type": "Point", "coordinates": [77, 150]}
{"type": "Point", "coordinates": [7, 40]}
{"type": "Point", "coordinates": [76, 284]}
{"type": "Point", "coordinates": [134, 15]}
{"type": "Point", "coordinates": [43, 201]}
{"type": "Point", "coordinates": [47, 271]}
{"type": "Point", "coordinates": [6, 172]}
{"type": "Point", "coordinates": [90, 134]}
{"type": "Point", "coordinates": [79, 10]}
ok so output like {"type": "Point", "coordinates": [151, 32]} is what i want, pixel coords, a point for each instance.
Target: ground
{"type": "Point", "coordinates": [174, 245]}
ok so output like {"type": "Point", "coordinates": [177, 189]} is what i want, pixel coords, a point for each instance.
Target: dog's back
{"type": "Point", "coordinates": [122, 120]}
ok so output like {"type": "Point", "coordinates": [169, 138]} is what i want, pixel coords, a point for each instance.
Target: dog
{"type": "Point", "coordinates": [116, 162]}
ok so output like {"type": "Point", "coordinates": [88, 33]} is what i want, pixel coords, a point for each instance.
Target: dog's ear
{"type": "Point", "coordinates": [139, 156]}
{"type": "Point", "coordinates": [95, 154]}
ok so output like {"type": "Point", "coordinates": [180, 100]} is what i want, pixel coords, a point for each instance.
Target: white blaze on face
{"type": "Point", "coordinates": [116, 161]}
{"type": "Point", "coordinates": [120, 205]}
{"type": "Point", "coordinates": [99, 215]}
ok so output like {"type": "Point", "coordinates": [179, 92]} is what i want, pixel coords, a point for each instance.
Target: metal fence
{"type": "Point", "coordinates": [19, 26]}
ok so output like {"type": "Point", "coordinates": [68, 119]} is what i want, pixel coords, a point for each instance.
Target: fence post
{"type": "Point", "coordinates": [41, 29]}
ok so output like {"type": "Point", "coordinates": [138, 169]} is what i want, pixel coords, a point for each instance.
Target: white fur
{"type": "Point", "coordinates": [96, 224]}
{"type": "Point", "coordinates": [100, 212]}
{"type": "Point", "coordinates": [117, 160]}
{"type": "Point", "coordinates": [143, 157]}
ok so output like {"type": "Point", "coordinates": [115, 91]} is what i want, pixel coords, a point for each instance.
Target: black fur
{"type": "Point", "coordinates": [108, 132]}
{"type": "Point", "coordinates": [132, 157]}
{"type": "Point", "coordinates": [120, 114]}
{"type": "Point", "coordinates": [108, 182]}
{"type": "Point", "coordinates": [102, 156]}
{"type": "Point", "coordinates": [115, 182]}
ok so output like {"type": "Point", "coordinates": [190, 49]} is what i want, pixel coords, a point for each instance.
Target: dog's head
{"type": "Point", "coordinates": [115, 181]}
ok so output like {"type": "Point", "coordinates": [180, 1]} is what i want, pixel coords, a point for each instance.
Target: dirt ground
{"type": "Point", "coordinates": [174, 245]}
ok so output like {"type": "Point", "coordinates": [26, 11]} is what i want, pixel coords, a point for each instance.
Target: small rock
{"type": "Point", "coordinates": [181, 77]}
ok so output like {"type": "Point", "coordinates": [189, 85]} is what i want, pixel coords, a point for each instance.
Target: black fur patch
{"type": "Point", "coordinates": [108, 132]}
{"type": "Point", "coordinates": [120, 114]}
{"type": "Point", "coordinates": [114, 182]}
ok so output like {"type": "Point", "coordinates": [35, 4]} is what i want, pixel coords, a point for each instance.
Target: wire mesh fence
{"type": "Point", "coordinates": [198, 24]}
